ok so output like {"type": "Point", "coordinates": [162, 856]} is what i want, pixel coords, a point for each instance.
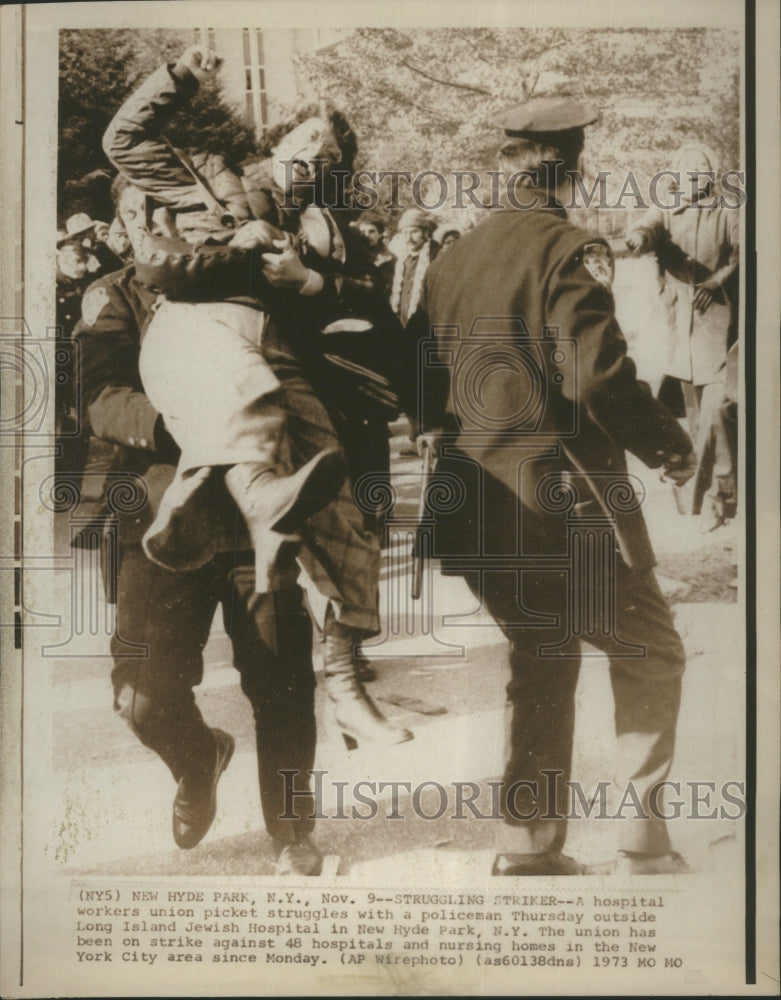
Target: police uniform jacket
{"type": "Point", "coordinates": [115, 312]}
{"type": "Point", "coordinates": [530, 374]}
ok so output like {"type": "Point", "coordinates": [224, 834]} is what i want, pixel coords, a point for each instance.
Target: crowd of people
{"type": "Point", "coordinates": [244, 346]}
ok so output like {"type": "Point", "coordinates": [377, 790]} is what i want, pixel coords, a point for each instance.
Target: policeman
{"type": "Point", "coordinates": [532, 421]}
{"type": "Point", "coordinates": [170, 614]}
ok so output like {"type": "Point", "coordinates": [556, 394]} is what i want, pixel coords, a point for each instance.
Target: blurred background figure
{"type": "Point", "coordinates": [372, 227]}
{"type": "Point", "coordinates": [119, 242]}
{"type": "Point", "coordinates": [106, 257]}
{"type": "Point", "coordinates": [72, 277]}
{"type": "Point", "coordinates": [696, 243]}
{"type": "Point", "coordinates": [92, 236]}
{"type": "Point", "coordinates": [447, 234]}
{"type": "Point", "coordinates": [415, 228]}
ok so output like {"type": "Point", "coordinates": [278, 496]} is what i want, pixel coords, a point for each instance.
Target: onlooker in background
{"type": "Point", "coordinates": [101, 231]}
{"type": "Point", "coordinates": [91, 235]}
{"type": "Point", "coordinates": [372, 228]}
{"type": "Point", "coordinates": [408, 277]}
{"type": "Point", "coordinates": [72, 278]}
{"type": "Point", "coordinates": [410, 271]}
{"type": "Point", "coordinates": [108, 259]}
{"type": "Point", "coordinates": [697, 247]}
{"type": "Point", "coordinates": [118, 241]}
{"type": "Point", "coordinates": [80, 228]}
{"type": "Point", "coordinates": [447, 234]}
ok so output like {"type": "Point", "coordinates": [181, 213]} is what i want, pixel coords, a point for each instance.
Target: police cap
{"type": "Point", "coordinates": [545, 116]}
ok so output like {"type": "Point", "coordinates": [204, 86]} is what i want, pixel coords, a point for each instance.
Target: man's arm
{"type": "Point", "coordinates": [108, 336]}
{"type": "Point", "coordinates": [647, 233]}
{"type": "Point", "coordinates": [132, 141]}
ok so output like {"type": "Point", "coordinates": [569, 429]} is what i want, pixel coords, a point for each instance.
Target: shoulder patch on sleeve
{"type": "Point", "coordinates": [93, 303]}
{"type": "Point", "coordinates": [598, 261]}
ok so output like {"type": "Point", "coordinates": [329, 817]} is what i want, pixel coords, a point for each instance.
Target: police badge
{"type": "Point", "coordinates": [598, 261]}
{"type": "Point", "coordinates": [92, 305]}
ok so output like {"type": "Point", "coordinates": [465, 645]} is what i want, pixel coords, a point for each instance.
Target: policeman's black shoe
{"type": "Point", "coordinates": [299, 857]}
{"type": "Point", "coordinates": [547, 863]}
{"type": "Point", "coordinates": [195, 803]}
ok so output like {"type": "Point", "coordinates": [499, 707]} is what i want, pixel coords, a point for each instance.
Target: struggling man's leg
{"type": "Point", "coordinates": [342, 559]}
{"type": "Point", "coordinates": [272, 648]}
{"type": "Point", "coordinates": [170, 613]}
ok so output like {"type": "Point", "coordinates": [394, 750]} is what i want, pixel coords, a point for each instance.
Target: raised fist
{"type": "Point", "coordinates": [201, 61]}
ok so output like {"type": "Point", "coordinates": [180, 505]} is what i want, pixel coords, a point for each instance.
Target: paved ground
{"type": "Point", "coordinates": [110, 812]}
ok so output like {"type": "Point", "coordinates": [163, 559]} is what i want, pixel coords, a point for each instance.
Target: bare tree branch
{"type": "Point", "coordinates": [445, 83]}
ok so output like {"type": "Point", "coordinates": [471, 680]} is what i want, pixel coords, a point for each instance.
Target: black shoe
{"type": "Point", "coordinates": [300, 857]}
{"type": "Point", "coordinates": [548, 863]}
{"type": "Point", "coordinates": [195, 803]}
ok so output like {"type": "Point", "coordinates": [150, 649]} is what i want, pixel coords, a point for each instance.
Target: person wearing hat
{"type": "Point", "coordinates": [415, 228]}
{"type": "Point", "coordinates": [539, 405]}
{"type": "Point", "coordinates": [696, 244]}
{"type": "Point", "coordinates": [78, 228]}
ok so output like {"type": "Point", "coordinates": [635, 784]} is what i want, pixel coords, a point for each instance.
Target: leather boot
{"type": "Point", "coordinates": [351, 707]}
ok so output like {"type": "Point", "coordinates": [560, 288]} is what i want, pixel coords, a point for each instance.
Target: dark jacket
{"type": "Point", "coordinates": [115, 310]}
{"type": "Point", "coordinates": [200, 266]}
{"type": "Point", "coordinates": [528, 369]}
{"type": "Point", "coordinates": [135, 144]}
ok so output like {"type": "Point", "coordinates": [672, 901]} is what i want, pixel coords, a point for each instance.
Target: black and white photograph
{"type": "Point", "coordinates": [391, 589]}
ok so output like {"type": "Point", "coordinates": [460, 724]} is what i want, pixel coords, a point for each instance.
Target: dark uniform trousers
{"type": "Point", "coordinates": [171, 613]}
{"type": "Point", "coordinates": [552, 582]}
{"type": "Point", "coordinates": [540, 516]}
{"type": "Point", "coordinates": [541, 693]}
